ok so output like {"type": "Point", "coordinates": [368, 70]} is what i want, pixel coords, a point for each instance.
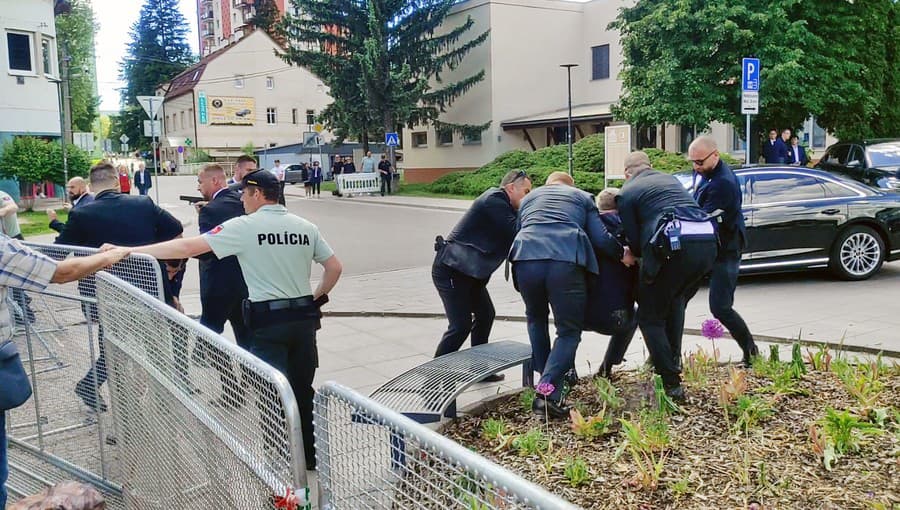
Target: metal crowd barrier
{"type": "Point", "coordinates": [371, 457]}
{"type": "Point", "coordinates": [54, 436]}
{"type": "Point", "coordinates": [222, 431]}
{"type": "Point", "coordinates": [354, 184]}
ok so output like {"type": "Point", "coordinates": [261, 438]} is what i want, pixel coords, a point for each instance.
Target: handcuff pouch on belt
{"type": "Point", "coordinates": [674, 226]}
{"type": "Point", "coordinates": [278, 311]}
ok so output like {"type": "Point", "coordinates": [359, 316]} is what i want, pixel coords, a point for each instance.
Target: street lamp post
{"type": "Point", "coordinates": [569, 130]}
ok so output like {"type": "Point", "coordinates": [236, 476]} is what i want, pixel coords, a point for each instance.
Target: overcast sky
{"type": "Point", "coordinates": [115, 18]}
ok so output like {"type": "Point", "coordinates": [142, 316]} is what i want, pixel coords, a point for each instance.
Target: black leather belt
{"type": "Point", "coordinates": [281, 304]}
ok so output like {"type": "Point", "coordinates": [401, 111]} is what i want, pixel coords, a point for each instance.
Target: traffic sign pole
{"type": "Point", "coordinates": [749, 96]}
{"type": "Point", "coordinates": [154, 145]}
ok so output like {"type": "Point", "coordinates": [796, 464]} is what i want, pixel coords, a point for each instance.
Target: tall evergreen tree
{"type": "Point", "coordinates": [266, 15]}
{"type": "Point", "coordinates": [383, 61]}
{"type": "Point", "coordinates": [75, 39]}
{"type": "Point", "coordinates": [158, 51]}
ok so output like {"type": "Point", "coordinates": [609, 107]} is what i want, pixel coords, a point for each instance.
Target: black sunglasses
{"type": "Point", "coordinates": [699, 162]}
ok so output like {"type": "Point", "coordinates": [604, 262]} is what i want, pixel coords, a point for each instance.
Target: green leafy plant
{"type": "Point", "coordinates": [749, 411]}
{"type": "Point", "coordinates": [526, 399]}
{"type": "Point", "coordinates": [697, 367]}
{"type": "Point", "coordinates": [845, 430]}
{"type": "Point", "coordinates": [492, 429]}
{"type": "Point", "coordinates": [531, 442]}
{"type": "Point", "coordinates": [862, 381]}
{"type": "Point", "coordinates": [681, 487]}
{"type": "Point", "coordinates": [773, 354]}
{"type": "Point", "coordinates": [797, 367]}
{"type": "Point", "coordinates": [577, 472]}
{"type": "Point", "coordinates": [591, 427]}
{"type": "Point", "coordinates": [664, 402]}
{"type": "Point", "coordinates": [819, 360]}
{"type": "Point", "coordinates": [607, 393]}
{"type": "Point", "coordinates": [648, 460]}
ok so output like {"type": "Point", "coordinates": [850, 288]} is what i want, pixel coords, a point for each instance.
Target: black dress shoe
{"type": "Point", "coordinates": [571, 378]}
{"type": "Point", "coordinates": [494, 378]}
{"type": "Point", "coordinates": [548, 407]}
{"type": "Point", "coordinates": [676, 393]}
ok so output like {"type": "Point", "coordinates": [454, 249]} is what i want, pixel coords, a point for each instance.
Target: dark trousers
{"type": "Point", "coordinates": [281, 193]}
{"type": "Point", "coordinates": [722, 282]}
{"type": "Point", "coordinates": [216, 310]}
{"type": "Point", "coordinates": [468, 307]}
{"type": "Point", "coordinates": [619, 340]}
{"type": "Point", "coordinates": [290, 347]}
{"type": "Point", "coordinates": [386, 184]}
{"type": "Point", "coordinates": [663, 300]}
{"type": "Point", "coordinates": [88, 386]}
{"type": "Point", "coordinates": [317, 187]}
{"type": "Point", "coordinates": [4, 461]}
{"type": "Point", "coordinates": [562, 286]}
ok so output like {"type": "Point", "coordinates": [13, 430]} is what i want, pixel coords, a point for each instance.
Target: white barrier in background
{"type": "Point", "coordinates": [355, 184]}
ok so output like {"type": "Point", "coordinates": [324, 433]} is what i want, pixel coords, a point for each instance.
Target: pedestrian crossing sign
{"type": "Point", "coordinates": [391, 139]}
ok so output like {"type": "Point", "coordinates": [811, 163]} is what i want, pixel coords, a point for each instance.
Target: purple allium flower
{"type": "Point", "coordinates": [545, 388]}
{"type": "Point", "coordinates": [712, 329]}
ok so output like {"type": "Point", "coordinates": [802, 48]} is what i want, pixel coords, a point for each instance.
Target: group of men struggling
{"type": "Point", "coordinates": [652, 242]}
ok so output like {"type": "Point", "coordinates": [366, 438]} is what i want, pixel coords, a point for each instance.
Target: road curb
{"type": "Point", "coordinates": [359, 200]}
{"type": "Point", "coordinates": [836, 346]}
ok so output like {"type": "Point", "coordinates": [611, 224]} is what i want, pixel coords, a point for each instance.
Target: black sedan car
{"type": "Point", "coordinates": [802, 218]}
{"type": "Point", "coordinates": [872, 162]}
{"type": "Point", "coordinates": [294, 174]}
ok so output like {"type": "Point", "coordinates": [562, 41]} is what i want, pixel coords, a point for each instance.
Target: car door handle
{"type": "Point", "coordinates": [831, 212]}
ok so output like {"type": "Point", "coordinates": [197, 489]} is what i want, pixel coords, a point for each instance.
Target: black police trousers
{"type": "Point", "coordinates": [216, 309]}
{"type": "Point", "coordinates": [661, 304]}
{"type": "Point", "coordinates": [290, 347]}
{"type": "Point", "coordinates": [468, 307]}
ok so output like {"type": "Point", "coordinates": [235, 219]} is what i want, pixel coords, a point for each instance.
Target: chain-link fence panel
{"type": "Point", "coordinates": [369, 456]}
{"type": "Point", "coordinates": [199, 422]}
{"type": "Point", "coordinates": [66, 424]}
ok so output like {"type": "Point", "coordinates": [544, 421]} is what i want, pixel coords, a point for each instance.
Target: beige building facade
{"type": "Point", "coordinates": [239, 96]}
{"type": "Point", "coordinates": [524, 93]}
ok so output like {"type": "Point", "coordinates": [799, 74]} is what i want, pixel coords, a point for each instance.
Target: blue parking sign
{"type": "Point", "coordinates": [391, 139]}
{"type": "Point", "coordinates": [750, 74]}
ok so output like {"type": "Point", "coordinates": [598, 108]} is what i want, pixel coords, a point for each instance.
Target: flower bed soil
{"type": "Point", "coordinates": [708, 464]}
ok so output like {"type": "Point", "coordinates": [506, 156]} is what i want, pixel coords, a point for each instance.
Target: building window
{"type": "Point", "coordinates": [600, 62]}
{"type": "Point", "coordinates": [472, 139]}
{"type": "Point", "coordinates": [688, 133]}
{"type": "Point", "coordinates": [445, 137]}
{"type": "Point", "coordinates": [294, 116]}
{"type": "Point", "coordinates": [270, 82]}
{"type": "Point", "coordinates": [310, 117]}
{"type": "Point", "coordinates": [818, 135]}
{"type": "Point", "coordinates": [239, 81]}
{"type": "Point", "coordinates": [420, 139]}
{"type": "Point", "coordinates": [191, 117]}
{"type": "Point", "coordinates": [271, 118]}
{"type": "Point", "coordinates": [737, 140]}
{"type": "Point", "coordinates": [182, 120]}
{"type": "Point", "coordinates": [19, 46]}
{"type": "Point", "coordinates": [47, 56]}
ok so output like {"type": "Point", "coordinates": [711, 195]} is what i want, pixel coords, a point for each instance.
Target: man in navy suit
{"type": "Point", "coordinates": [718, 189]}
{"type": "Point", "coordinates": [774, 149]}
{"type": "Point", "coordinates": [143, 179]}
{"type": "Point", "coordinates": [472, 252]}
{"type": "Point", "coordinates": [552, 254]}
{"type": "Point", "coordinates": [797, 153]}
{"type": "Point", "coordinates": [124, 220]}
{"type": "Point", "coordinates": [222, 286]}
{"type": "Point", "coordinates": [78, 197]}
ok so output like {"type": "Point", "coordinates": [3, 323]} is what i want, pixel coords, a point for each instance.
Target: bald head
{"type": "Point", "coordinates": [560, 178]}
{"type": "Point", "coordinates": [76, 187]}
{"type": "Point", "coordinates": [704, 143]}
{"type": "Point", "coordinates": [635, 163]}
{"type": "Point", "coordinates": [704, 154]}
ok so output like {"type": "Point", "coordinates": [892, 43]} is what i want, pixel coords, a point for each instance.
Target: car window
{"type": "Point", "coordinates": [770, 188]}
{"type": "Point", "coordinates": [885, 154]}
{"type": "Point", "coordinates": [857, 157]}
{"type": "Point", "coordinates": [837, 155]}
{"type": "Point", "coordinates": [833, 190]}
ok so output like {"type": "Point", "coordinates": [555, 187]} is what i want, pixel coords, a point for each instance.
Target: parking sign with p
{"type": "Point", "coordinates": [750, 75]}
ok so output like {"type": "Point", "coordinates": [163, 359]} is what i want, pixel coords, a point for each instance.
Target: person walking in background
{"type": "Point", "coordinates": [315, 179]}
{"type": "Point", "coordinates": [718, 189]}
{"type": "Point", "coordinates": [143, 180]}
{"type": "Point", "coordinates": [387, 176]}
{"type": "Point", "coordinates": [349, 167]}
{"type": "Point", "coordinates": [368, 163]}
{"type": "Point", "coordinates": [774, 150]}
{"type": "Point", "coordinates": [797, 153]}
{"type": "Point", "coordinates": [124, 180]}
{"type": "Point", "coordinates": [337, 168]}
{"type": "Point", "coordinates": [278, 172]}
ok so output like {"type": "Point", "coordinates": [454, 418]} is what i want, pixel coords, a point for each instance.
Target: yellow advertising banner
{"type": "Point", "coordinates": [232, 111]}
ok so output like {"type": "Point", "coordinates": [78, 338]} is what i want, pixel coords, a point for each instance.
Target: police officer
{"type": "Point", "coordinates": [718, 189]}
{"type": "Point", "coordinates": [464, 262]}
{"type": "Point", "coordinates": [275, 250]}
{"type": "Point", "coordinates": [675, 255]}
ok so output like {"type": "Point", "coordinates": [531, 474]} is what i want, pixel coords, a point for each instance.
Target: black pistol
{"type": "Point", "coordinates": [191, 200]}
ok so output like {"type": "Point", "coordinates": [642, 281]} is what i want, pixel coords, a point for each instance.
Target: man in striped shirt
{"type": "Point", "coordinates": [25, 269]}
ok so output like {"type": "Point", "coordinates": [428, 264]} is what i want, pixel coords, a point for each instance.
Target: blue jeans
{"type": "Point", "coordinates": [562, 286]}
{"type": "Point", "coordinates": [4, 466]}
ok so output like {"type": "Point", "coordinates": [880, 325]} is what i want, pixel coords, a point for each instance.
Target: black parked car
{"type": "Point", "coordinates": [802, 218]}
{"type": "Point", "coordinates": [293, 174]}
{"type": "Point", "coordinates": [872, 162]}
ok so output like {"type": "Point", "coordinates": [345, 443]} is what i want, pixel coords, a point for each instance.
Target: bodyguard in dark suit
{"type": "Point", "coordinates": [774, 150]}
{"type": "Point", "coordinates": [143, 179]}
{"type": "Point", "coordinates": [78, 197]}
{"type": "Point", "coordinates": [551, 255]}
{"type": "Point", "coordinates": [464, 262]}
{"type": "Point", "coordinates": [222, 286]}
{"type": "Point", "coordinates": [671, 263]}
{"type": "Point", "coordinates": [124, 220]}
{"type": "Point", "coordinates": [796, 153]}
{"type": "Point", "coordinates": [718, 189]}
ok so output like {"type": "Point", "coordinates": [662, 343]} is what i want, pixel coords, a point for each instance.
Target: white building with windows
{"type": "Point", "coordinates": [29, 96]}
{"type": "Point", "coordinates": [524, 92]}
{"type": "Point", "coordinates": [241, 95]}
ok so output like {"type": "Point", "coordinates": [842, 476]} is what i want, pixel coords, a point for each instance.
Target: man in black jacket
{"type": "Point", "coordinates": [222, 286]}
{"type": "Point", "coordinates": [673, 260]}
{"type": "Point", "coordinates": [125, 220]}
{"type": "Point", "coordinates": [717, 188]}
{"type": "Point", "coordinates": [464, 262]}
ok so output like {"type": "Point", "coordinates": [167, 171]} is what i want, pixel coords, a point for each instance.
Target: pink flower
{"type": "Point", "coordinates": [545, 388]}
{"type": "Point", "coordinates": [712, 329]}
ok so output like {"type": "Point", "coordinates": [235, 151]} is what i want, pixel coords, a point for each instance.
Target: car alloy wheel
{"type": "Point", "coordinates": [860, 253]}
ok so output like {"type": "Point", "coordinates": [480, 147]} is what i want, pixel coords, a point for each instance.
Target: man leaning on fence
{"type": "Point", "coordinates": [275, 250]}
{"type": "Point", "coordinates": [24, 269]}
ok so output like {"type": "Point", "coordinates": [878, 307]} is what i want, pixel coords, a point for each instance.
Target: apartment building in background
{"type": "Point", "coordinates": [238, 96]}
{"type": "Point", "coordinates": [222, 22]}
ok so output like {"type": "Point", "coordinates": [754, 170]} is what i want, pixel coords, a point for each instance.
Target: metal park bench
{"type": "Point", "coordinates": [429, 391]}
